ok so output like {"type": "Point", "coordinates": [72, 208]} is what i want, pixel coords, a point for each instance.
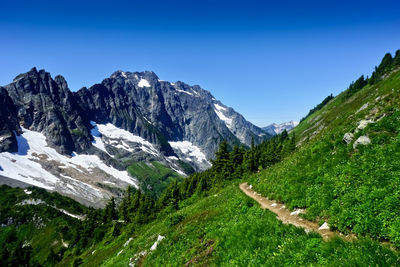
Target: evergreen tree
{"type": "Point", "coordinates": [385, 63]}
{"type": "Point", "coordinates": [110, 212]}
{"type": "Point", "coordinates": [396, 60]}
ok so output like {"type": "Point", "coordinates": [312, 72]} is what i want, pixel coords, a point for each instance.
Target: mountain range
{"type": "Point", "coordinates": [333, 181]}
{"type": "Point", "coordinates": [274, 129]}
{"type": "Point", "coordinates": [82, 143]}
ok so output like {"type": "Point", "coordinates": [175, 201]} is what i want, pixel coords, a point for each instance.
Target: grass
{"type": "Point", "coordinates": [356, 190]}
{"type": "Point", "coordinates": [153, 176]}
{"type": "Point", "coordinates": [229, 229]}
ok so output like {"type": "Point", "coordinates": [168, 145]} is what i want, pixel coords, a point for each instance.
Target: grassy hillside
{"type": "Point", "coordinates": [153, 176]}
{"type": "Point", "coordinates": [226, 228]}
{"type": "Point", "coordinates": [35, 234]}
{"type": "Point", "coordinates": [205, 220]}
{"type": "Point", "coordinates": [355, 189]}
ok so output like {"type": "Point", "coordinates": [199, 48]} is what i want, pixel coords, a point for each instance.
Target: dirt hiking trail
{"type": "Point", "coordinates": [289, 217]}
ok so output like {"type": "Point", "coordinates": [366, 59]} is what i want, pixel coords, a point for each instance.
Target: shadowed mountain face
{"type": "Point", "coordinates": [81, 144]}
{"type": "Point", "coordinates": [160, 111]}
{"type": "Point", "coordinates": [9, 123]}
{"type": "Point", "coordinates": [48, 106]}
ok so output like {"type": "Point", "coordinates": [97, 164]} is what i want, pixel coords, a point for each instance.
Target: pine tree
{"type": "Point", "coordinates": [110, 213]}
{"type": "Point", "coordinates": [385, 63]}
{"type": "Point", "coordinates": [396, 60]}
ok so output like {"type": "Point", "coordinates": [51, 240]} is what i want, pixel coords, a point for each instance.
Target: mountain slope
{"type": "Point", "coordinates": [353, 185]}
{"type": "Point", "coordinates": [36, 226]}
{"type": "Point", "coordinates": [347, 154]}
{"type": "Point", "coordinates": [81, 144]}
{"type": "Point", "coordinates": [207, 220]}
{"type": "Point", "coordinates": [161, 111]}
{"type": "Point", "coordinates": [274, 129]}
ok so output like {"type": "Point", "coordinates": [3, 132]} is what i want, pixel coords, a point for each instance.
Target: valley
{"type": "Point", "coordinates": [332, 179]}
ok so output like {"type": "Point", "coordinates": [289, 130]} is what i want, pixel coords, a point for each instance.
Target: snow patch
{"type": "Point", "coordinates": [113, 132]}
{"type": "Point", "coordinates": [27, 191]}
{"type": "Point", "coordinates": [189, 149]}
{"type": "Point", "coordinates": [149, 122]}
{"type": "Point", "coordinates": [79, 217]}
{"type": "Point", "coordinates": [39, 201]}
{"type": "Point", "coordinates": [219, 111]}
{"type": "Point", "coordinates": [143, 83]}
{"type": "Point", "coordinates": [154, 246]}
{"type": "Point", "coordinates": [220, 108]}
{"type": "Point", "coordinates": [22, 167]}
{"type": "Point", "coordinates": [31, 202]}
{"type": "Point", "coordinates": [274, 128]}
{"type": "Point", "coordinates": [182, 91]}
{"type": "Point", "coordinates": [98, 142]}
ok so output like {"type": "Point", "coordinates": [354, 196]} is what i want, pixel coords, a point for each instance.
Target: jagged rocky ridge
{"type": "Point", "coordinates": [92, 135]}
{"type": "Point", "coordinates": [274, 129]}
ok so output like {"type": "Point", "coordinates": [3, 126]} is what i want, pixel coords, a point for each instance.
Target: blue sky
{"type": "Point", "coordinates": [272, 61]}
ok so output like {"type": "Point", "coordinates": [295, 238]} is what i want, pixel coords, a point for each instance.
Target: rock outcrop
{"type": "Point", "coordinates": [48, 106]}
{"type": "Point", "coordinates": [362, 140]}
{"type": "Point", "coordinates": [161, 111]}
{"type": "Point", "coordinates": [9, 125]}
{"type": "Point", "coordinates": [348, 138]}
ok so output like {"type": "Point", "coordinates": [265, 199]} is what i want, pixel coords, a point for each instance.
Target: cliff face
{"type": "Point", "coordinates": [9, 123]}
{"type": "Point", "coordinates": [81, 144]}
{"type": "Point", "coordinates": [159, 110]}
{"type": "Point", "coordinates": [48, 106]}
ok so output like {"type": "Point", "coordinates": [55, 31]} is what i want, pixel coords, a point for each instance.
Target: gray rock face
{"type": "Point", "coordinates": [160, 111]}
{"type": "Point", "coordinates": [48, 106]}
{"type": "Point", "coordinates": [9, 123]}
{"type": "Point", "coordinates": [138, 102]}
{"type": "Point", "coordinates": [128, 118]}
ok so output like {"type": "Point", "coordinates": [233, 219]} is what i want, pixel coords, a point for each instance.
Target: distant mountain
{"type": "Point", "coordinates": [82, 143]}
{"type": "Point", "coordinates": [275, 129]}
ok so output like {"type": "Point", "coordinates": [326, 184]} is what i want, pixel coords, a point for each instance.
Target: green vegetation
{"type": "Point", "coordinates": [226, 228]}
{"type": "Point", "coordinates": [206, 220]}
{"type": "Point", "coordinates": [153, 176]}
{"type": "Point", "coordinates": [35, 234]}
{"type": "Point", "coordinates": [319, 106]}
{"type": "Point", "coordinates": [76, 132]}
{"type": "Point", "coordinates": [354, 189]}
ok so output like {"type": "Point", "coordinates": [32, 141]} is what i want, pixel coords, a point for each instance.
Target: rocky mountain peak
{"type": "Point", "coordinates": [129, 117]}
{"type": "Point", "coordinates": [275, 128]}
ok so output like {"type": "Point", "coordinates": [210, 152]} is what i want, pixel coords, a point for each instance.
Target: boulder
{"type": "Point", "coordinates": [362, 140]}
{"type": "Point", "coordinates": [324, 226]}
{"type": "Point", "coordinates": [363, 123]}
{"type": "Point", "coordinates": [348, 138]}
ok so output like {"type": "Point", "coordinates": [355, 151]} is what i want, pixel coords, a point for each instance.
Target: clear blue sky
{"type": "Point", "coordinates": [272, 61]}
